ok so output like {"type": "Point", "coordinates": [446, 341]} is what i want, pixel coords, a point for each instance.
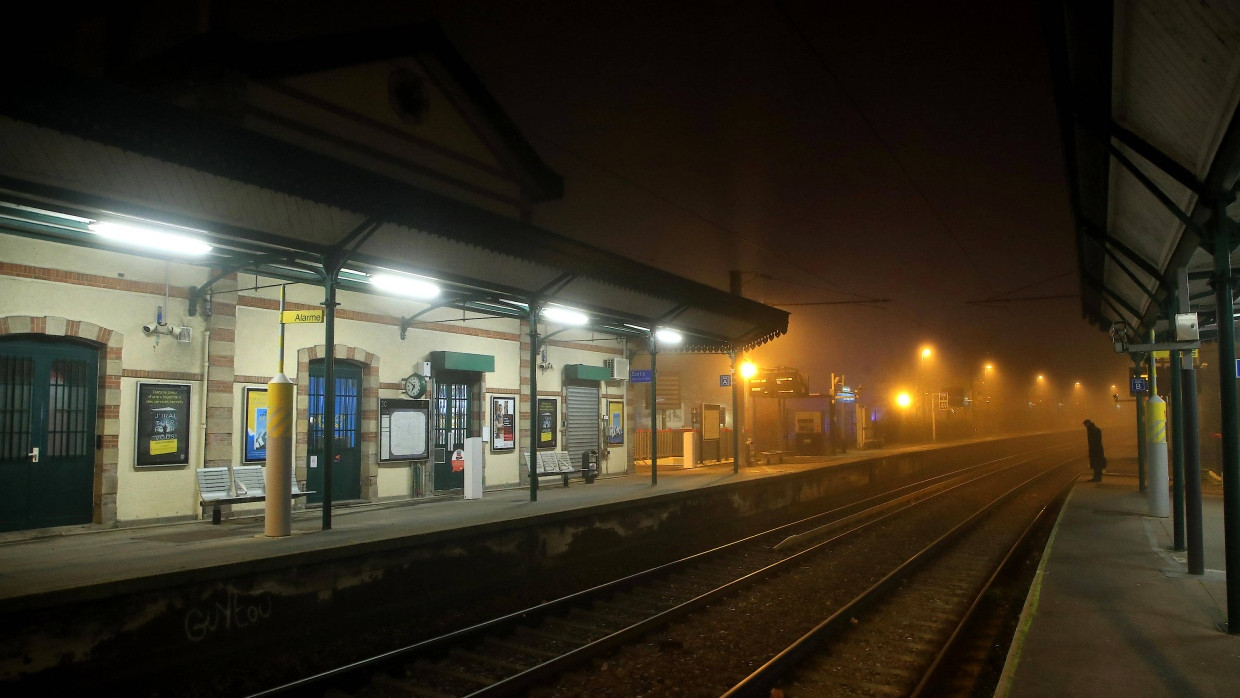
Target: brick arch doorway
{"type": "Point", "coordinates": [355, 464]}
{"type": "Point", "coordinates": [61, 389]}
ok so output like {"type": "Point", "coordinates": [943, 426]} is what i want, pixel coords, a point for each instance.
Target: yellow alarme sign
{"type": "Point", "coordinates": [293, 317]}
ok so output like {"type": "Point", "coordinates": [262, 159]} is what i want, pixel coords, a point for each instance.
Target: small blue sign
{"type": "Point", "coordinates": [725, 379]}
{"type": "Point", "coordinates": [1139, 385]}
{"type": "Point", "coordinates": [642, 376]}
{"type": "Point", "coordinates": [1238, 367]}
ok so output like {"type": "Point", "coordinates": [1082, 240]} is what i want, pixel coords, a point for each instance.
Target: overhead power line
{"type": "Point", "coordinates": [715, 224]}
{"type": "Point", "coordinates": [797, 28]}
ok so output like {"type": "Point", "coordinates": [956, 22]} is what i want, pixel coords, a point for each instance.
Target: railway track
{"type": "Point", "coordinates": [910, 633]}
{"type": "Point", "coordinates": [537, 646]}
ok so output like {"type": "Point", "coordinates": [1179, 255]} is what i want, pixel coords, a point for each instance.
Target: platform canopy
{"type": "Point", "coordinates": [1146, 95]}
{"type": "Point", "coordinates": [77, 148]}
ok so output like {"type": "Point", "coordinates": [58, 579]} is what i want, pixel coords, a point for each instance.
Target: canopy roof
{"type": "Point", "coordinates": [1147, 94]}
{"type": "Point", "coordinates": [88, 149]}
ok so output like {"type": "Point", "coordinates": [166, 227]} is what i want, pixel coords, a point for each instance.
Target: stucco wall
{"type": "Point", "coordinates": [122, 292]}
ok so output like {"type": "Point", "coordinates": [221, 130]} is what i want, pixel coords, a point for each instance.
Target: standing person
{"type": "Point", "coordinates": [1097, 458]}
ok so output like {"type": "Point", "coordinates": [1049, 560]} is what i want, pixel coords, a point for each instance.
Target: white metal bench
{"type": "Point", "coordinates": [553, 464]}
{"type": "Point", "coordinates": [249, 485]}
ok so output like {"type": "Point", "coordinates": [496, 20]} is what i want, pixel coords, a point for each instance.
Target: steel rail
{"type": "Point", "coordinates": [934, 674]}
{"type": "Point", "coordinates": [880, 506]}
{"type": "Point", "coordinates": [761, 680]}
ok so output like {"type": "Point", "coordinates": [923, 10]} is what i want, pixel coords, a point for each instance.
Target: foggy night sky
{"type": "Point", "coordinates": [833, 151]}
{"type": "Point", "coordinates": [908, 151]}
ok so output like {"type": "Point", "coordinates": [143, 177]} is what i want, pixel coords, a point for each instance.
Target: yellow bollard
{"type": "Point", "coordinates": [279, 476]}
{"type": "Point", "coordinates": [1157, 496]}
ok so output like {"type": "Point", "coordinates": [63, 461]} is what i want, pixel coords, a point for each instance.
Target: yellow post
{"type": "Point", "coordinates": [1158, 498]}
{"type": "Point", "coordinates": [279, 476]}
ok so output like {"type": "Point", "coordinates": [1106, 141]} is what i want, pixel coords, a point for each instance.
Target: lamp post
{"type": "Point", "coordinates": [903, 400]}
{"type": "Point", "coordinates": [748, 369]}
{"type": "Point", "coordinates": [926, 353]}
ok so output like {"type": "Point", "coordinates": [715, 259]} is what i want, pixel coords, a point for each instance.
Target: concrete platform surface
{"type": "Point", "coordinates": [78, 563]}
{"type": "Point", "coordinates": [1113, 611]}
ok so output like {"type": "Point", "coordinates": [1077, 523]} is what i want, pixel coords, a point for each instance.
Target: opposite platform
{"type": "Point", "coordinates": [1113, 612]}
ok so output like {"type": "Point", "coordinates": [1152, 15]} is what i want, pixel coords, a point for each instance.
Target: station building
{"type": "Point", "coordinates": [181, 223]}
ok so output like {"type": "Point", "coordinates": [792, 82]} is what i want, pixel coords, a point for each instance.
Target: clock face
{"type": "Point", "coordinates": [414, 385]}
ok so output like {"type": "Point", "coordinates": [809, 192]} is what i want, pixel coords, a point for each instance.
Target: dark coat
{"type": "Point", "coordinates": [1097, 458]}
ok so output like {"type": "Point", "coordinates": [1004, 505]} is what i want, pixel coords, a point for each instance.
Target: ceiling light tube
{"type": "Point", "coordinates": [564, 316]}
{"type": "Point", "coordinates": [668, 336]}
{"type": "Point", "coordinates": [402, 285]}
{"type": "Point", "coordinates": [151, 238]}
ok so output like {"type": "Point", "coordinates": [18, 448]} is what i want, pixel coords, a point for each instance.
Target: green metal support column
{"type": "Point", "coordinates": [1225, 317]}
{"type": "Point", "coordinates": [736, 427]}
{"type": "Point", "coordinates": [1192, 447]}
{"type": "Point", "coordinates": [654, 416]}
{"type": "Point", "coordinates": [1177, 440]}
{"type": "Point", "coordinates": [1192, 473]}
{"type": "Point", "coordinates": [332, 267]}
{"type": "Point", "coordinates": [1140, 403]}
{"type": "Point", "coordinates": [533, 447]}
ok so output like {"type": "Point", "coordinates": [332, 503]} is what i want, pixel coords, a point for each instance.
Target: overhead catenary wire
{"type": "Point", "coordinates": [835, 288]}
{"type": "Point", "coordinates": [797, 28]}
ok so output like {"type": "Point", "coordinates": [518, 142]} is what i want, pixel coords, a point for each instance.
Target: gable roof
{"type": "Point", "coordinates": [278, 209]}
{"type": "Point", "coordinates": [221, 52]}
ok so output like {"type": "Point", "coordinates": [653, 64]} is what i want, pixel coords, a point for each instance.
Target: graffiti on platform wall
{"type": "Point", "coordinates": [234, 612]}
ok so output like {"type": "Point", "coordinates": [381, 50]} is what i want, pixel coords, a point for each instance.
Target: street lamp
{"type": "Point", "coordinates": [978, 405]}
{"type": "Point", "coordinates": [926, 353]}
{"type": "Point", "coordinates": [748, 370]}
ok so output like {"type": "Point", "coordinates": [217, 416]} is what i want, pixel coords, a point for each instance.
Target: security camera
{"type": "Point", "coordinates": [1119, 336]}
{"type": "Point", "coordinates": [150, 328]}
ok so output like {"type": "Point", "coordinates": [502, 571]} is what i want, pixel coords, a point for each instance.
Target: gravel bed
{"type": "Point", "coordinates": [713, 650]}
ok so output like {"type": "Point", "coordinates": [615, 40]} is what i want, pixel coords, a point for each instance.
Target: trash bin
{"type": "Point", "coordinates": [589, 465]}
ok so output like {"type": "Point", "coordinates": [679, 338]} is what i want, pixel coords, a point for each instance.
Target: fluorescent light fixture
{"type": "Point", "coordinates": [158, 240]}
{"type": "Point", "coordinates": [667, 336]}
{"type": "Point", "coordinates": [402, 285]}
{"type": "Point", "coordinates": [564, 316]}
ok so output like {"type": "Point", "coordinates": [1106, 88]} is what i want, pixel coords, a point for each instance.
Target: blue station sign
{"type": "Point", "coordinates": [641, 376]}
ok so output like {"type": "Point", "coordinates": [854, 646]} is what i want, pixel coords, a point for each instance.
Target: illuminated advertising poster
{"type": "Point", "coordinates": [503, 423]}
{"type": "Point", "coordinates": [163, 424]}
{"type": "Point", "coordinates": [615, 422]}
{"type": "Point", "coordinates": [255, 425]}
{"type": "Point", "coordinates": [547, 422]}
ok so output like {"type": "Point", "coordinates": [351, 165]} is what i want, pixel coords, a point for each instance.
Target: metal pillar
{"type": "Point", "coordinates": [332, 267]}
{"type": "Point", "coordinates": [533, 447]}
{"type": "Point", "coordinates": [736, 426]}
{"type": "Point", "coordinates": [1137, 398]}
{"type": "Point", "coordinates": [654, 416]}
{"type": "Point", "coordinates": [1192, 473]}
{"type": "Point", "coordinates": [1225, 318]}
{"type": "Point", "coordinates": [1177, 442]}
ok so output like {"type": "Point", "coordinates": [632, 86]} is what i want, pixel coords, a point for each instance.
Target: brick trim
{"type": "Point", "coordinates": [161, 375]}
{"type": "Point", "coordinates": [27, 271]}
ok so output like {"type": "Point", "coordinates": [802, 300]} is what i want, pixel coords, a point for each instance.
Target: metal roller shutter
{"type": "Point", "coordinates": [582, 403]}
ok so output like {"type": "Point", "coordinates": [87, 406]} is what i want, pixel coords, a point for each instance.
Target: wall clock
{"type": "Point", "coordinates": [414, 385]}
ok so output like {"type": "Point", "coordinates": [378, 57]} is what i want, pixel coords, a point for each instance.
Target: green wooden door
{"type": "Point", "coordinates": [456, 417]}
{"type": "Point", "coordinates": [47, 433]}
{"type": "Point", "coordinates": [346, 448]}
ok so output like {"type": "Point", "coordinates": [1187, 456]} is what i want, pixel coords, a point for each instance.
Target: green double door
{"type": "Point", "coordinates": [48, 390]}
{"type": "Point", "coordinates": [346, 434]}
{"type": "Point", "coordinates": [457, 417]}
